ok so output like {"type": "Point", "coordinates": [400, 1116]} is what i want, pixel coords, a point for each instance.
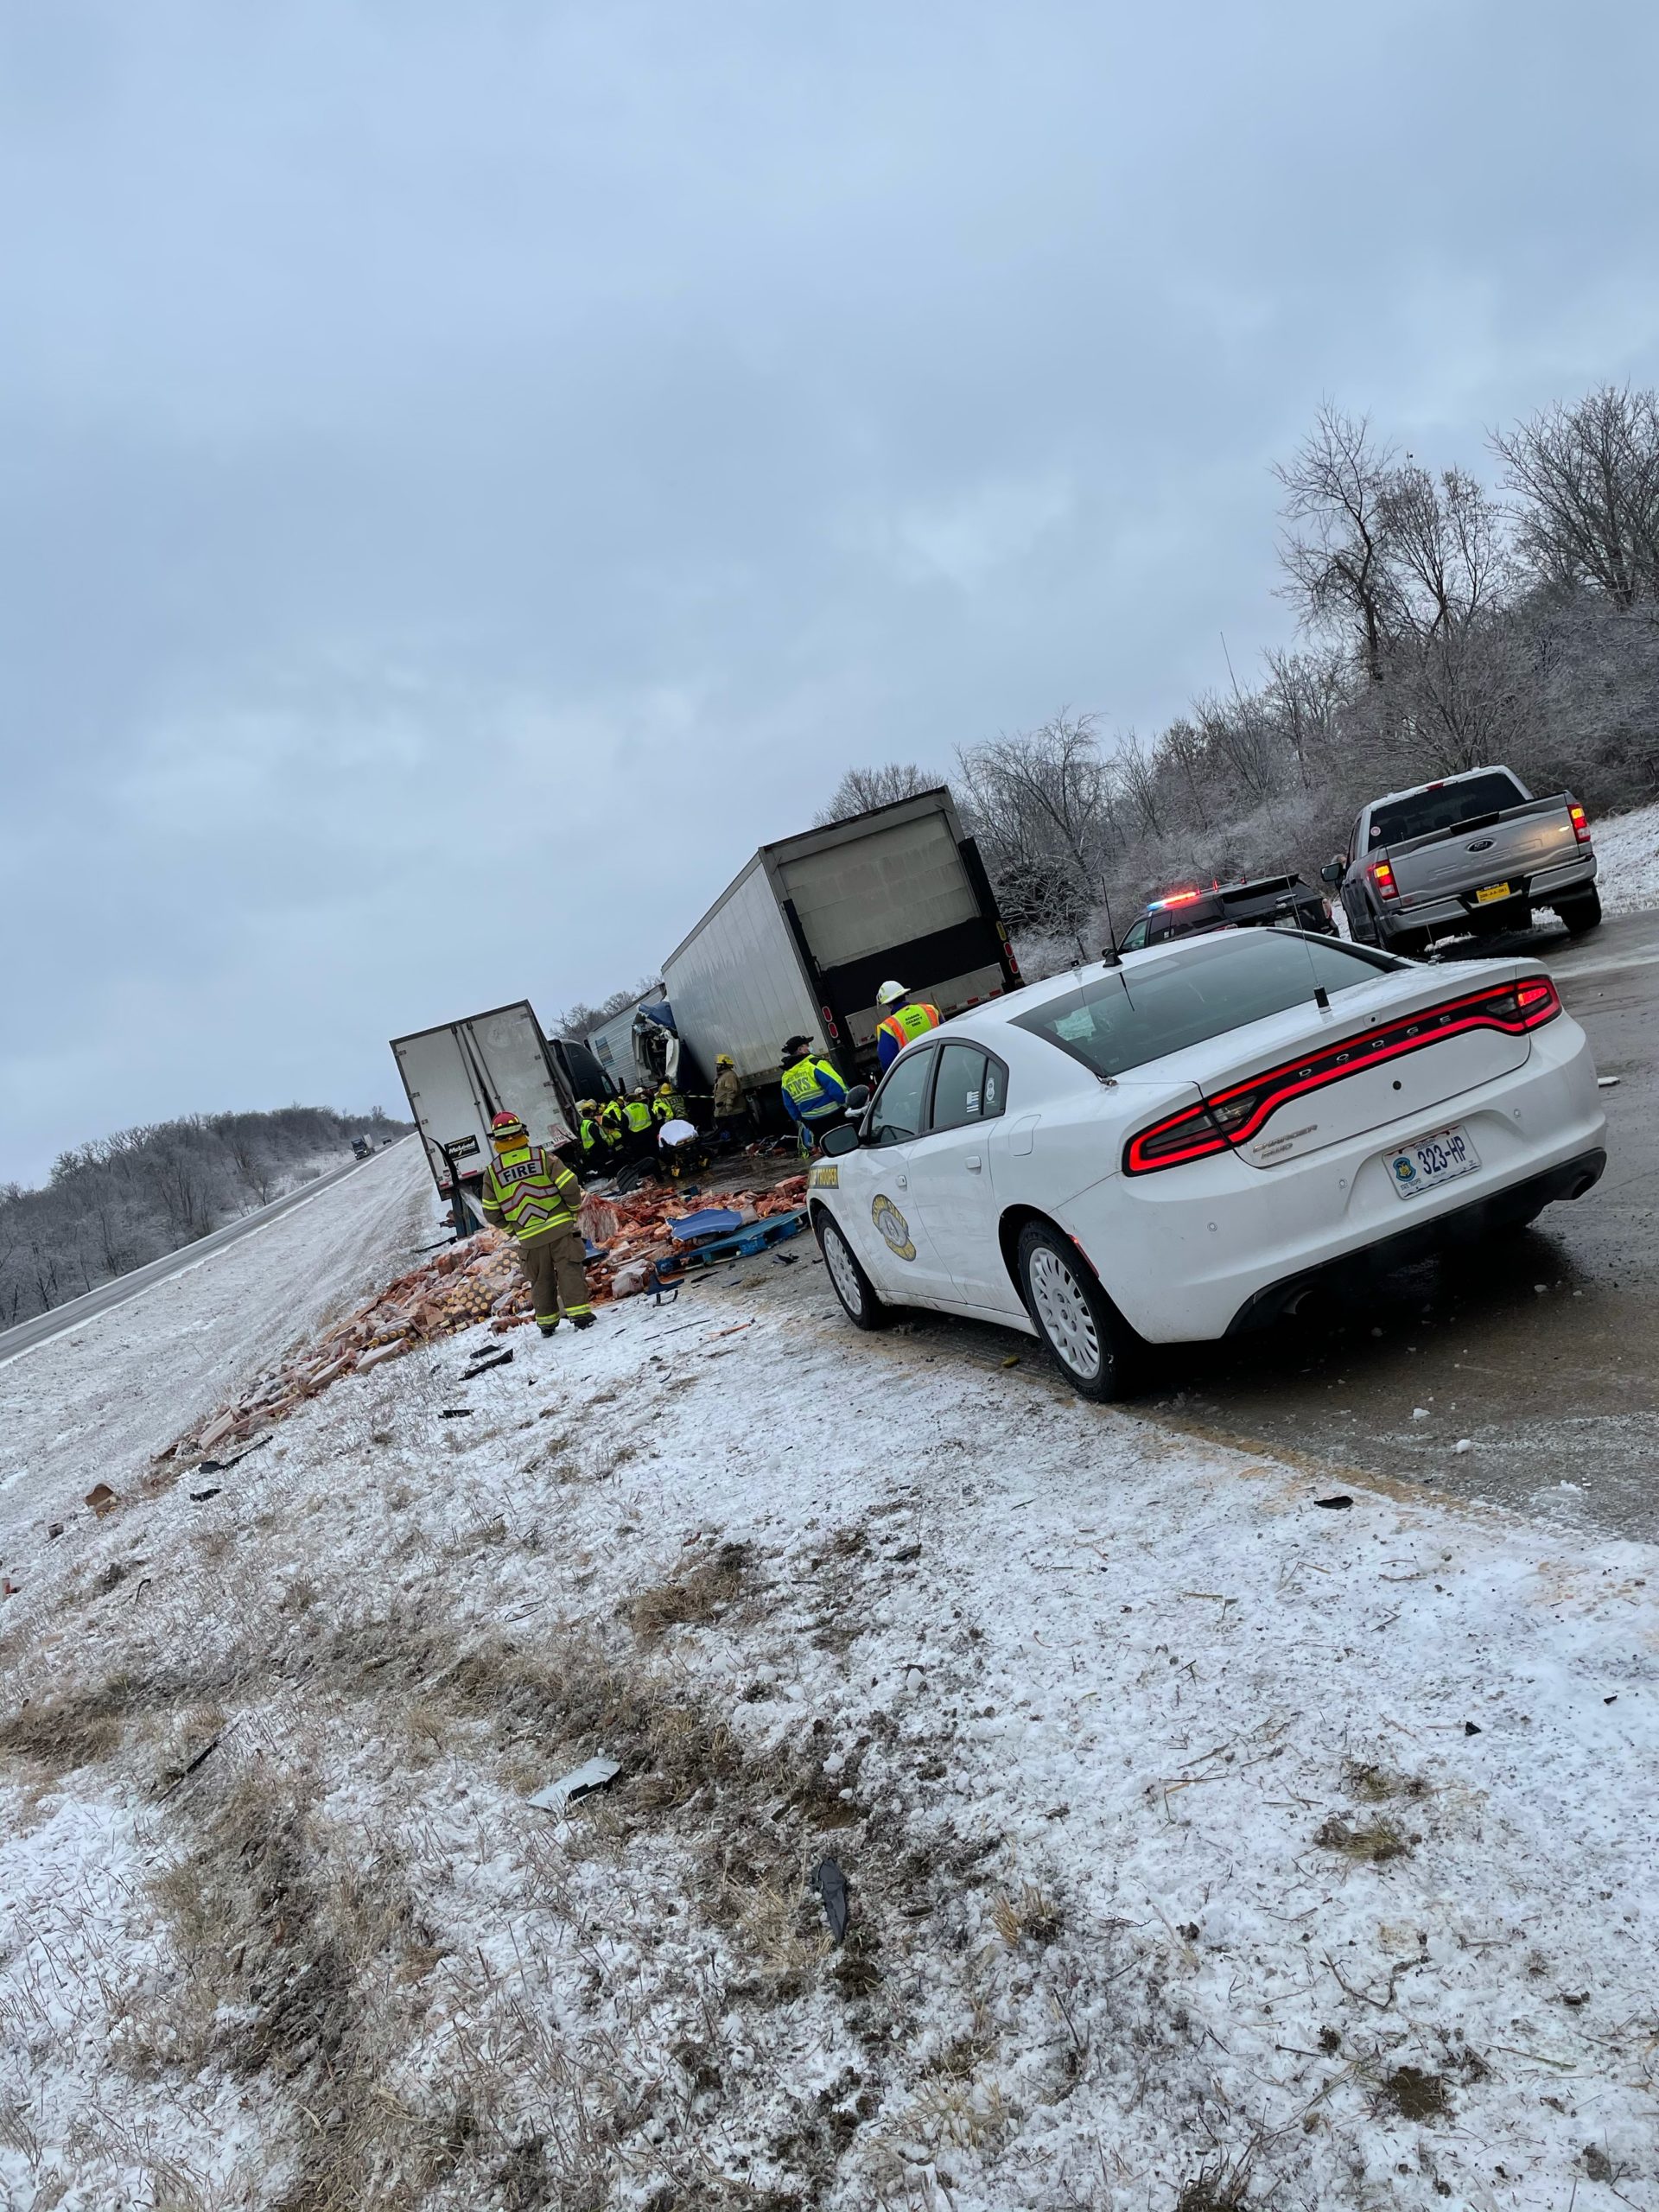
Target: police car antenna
{"type": "Point", "coordinates": [1110, 957]}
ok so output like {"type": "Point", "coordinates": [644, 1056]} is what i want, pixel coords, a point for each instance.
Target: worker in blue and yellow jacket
{"type": "Point", "coordinates": [530, 1193]}
{"type": "Point", "coordinates": [814, 1095]}
{"type": "Point", "coordinates": [902, 1024]}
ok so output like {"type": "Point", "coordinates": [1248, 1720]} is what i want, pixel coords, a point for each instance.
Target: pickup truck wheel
{"type": "Point", "coordinates": [1579, 914]}
{"type": "Point", "coordinates": [852, 1286]}
{"type": "Point", "coordinates": [1085, 1339]}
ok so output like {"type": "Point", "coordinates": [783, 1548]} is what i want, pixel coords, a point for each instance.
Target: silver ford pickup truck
{"type": "Point", "coordinates": [1473, 853]}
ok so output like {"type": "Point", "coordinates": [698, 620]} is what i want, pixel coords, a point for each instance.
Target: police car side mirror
{"type": "Point", "coordinates": [841, 1136]}
{"type": "Point", "coordinates": [1334, 872]}
{"type": "Point", "coordinates": [858, 1098]}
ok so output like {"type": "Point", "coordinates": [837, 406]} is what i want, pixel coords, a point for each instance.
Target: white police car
{"type": "Point", "coordinates": [1192, 1140]}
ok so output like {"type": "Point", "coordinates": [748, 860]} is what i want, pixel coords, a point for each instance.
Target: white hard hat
{"type": "Point", "coordinates": [889, 992]}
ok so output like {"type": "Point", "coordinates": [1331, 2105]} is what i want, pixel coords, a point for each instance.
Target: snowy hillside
{"type": "Point", "coordinates": [1208, 1839]}
{"type": "Point", "coordinates": [1627, 848]}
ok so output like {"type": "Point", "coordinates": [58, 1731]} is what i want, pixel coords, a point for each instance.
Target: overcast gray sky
{"type": "Point", "coordinates": [468, 474]}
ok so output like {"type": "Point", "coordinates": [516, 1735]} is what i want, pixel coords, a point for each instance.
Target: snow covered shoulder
{"type": "Point", "coordinates": [1208, 1830]}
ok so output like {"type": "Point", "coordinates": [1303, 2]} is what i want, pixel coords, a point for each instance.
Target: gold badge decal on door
{"type": "Point", "coordinates": [895, 1230]}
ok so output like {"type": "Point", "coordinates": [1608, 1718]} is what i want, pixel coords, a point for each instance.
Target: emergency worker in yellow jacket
{"type": "Point", "coordinates": [901, 1025]}
{"type": "Point", "coordinates": [530, 1193]}
{"type": "Point", "coordinates": [814, 1095]}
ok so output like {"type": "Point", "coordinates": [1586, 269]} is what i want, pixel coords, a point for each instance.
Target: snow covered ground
{"type": "Point", "coordinates": [1627, 849]}
{"type": "Point", "coordinates": [94, 1403]}
{"type": "Point", "coordinates": [1207, 1844]}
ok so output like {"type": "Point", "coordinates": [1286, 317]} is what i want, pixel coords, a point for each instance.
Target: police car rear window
{"type": "Point", "coordinates": [1132, 1014]}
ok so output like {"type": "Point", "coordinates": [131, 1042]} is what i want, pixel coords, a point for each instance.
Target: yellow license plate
{"type": "Point", "coordinates": [1492, 891]}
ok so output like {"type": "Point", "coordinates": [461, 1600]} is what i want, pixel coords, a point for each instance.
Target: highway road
{"type": "Point", "coordinates": [1538, 1353]}
{"type": "Point", "coordinates": [44, 1326]}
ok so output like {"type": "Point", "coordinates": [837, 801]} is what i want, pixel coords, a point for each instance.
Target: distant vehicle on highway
{"type": "Point", "coordinates": [1201, 1137]}
{"type": "Point", "coordinates": [361, 1148]}
{"type": "Point", "coordinates": [1272, 901]}
{"type": "Point", "coordinates": [1474, 853]}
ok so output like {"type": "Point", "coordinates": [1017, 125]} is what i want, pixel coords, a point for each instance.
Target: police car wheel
{"type": "Point", "coordinates": [852, 1286]}
{"type": "Point", "coordinates": [1084, 1338]}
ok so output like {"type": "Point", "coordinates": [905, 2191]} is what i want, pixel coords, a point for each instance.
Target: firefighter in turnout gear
{"type": "Point", "coordinates": [732, 1117]}
{"type": "Point", "coordinates": [814, 1095]}
{"type": "Point", "coordinates": [902, 1023]}
{"type": "Point", "coordinates": [530, 1193]}
{"type": "Point", "coordinates": [667, 1105]}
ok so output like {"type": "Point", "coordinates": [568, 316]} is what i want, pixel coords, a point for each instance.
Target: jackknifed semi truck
{"type": "Point", "coordinates": [804, 936]}
{"type": "Point", "coordinates": [459, 1076]}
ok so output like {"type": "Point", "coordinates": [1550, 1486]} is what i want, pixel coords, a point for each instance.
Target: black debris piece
{"type": "Point", "coordinates": [202, 1497]}
{"type": "Point", "coordinates": [489, 1360]}
{"type": "Point", "coordinates": [830, 1885]}
{"type": "Point", "coordinates": [55, 1530]}
{"type": "Point", "coordinates": [1611, 1700]}
{"type": "Point", "coordinates": [456, 1412]}
{"type": "Point", "coordinates": [224, 1466]}
{"type": "Point", "coordinates": [1335, 1504]}
{"type": "Point", "coordinates": [1470, 1728]}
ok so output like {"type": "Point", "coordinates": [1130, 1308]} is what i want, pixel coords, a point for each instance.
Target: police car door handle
{"type": "Point", "coordinates": [972, 1163]}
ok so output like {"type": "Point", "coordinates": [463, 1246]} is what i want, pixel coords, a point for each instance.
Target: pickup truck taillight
{"type": "Point", "coordinates": [1383, 877]}
{"type": "Point", "coordinates": [1580, 824]}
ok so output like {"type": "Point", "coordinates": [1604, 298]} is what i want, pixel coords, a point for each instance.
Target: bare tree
{"type": "Point", "coordinates": [1444, 547]}
{"type": "Point", "coordinates": [1586, 479]}
{"type": "Point", "coordinates": [1335, 563]}
{"type": "Point", "coordinates": [861, 789]}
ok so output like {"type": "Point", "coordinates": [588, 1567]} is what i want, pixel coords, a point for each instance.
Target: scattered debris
{"type": "Point", "coordinates": [487, 1360]}
{"type": "Point", "coordinates": [831, 1886]}
{"type": "Point", "coordinates": [55, 1528]}
{"type": "Point", "coordinates": [1335, 1504]}
{"type": "Point", "coordinates": [1470, 1728]}
{"type": "Point", "coordinates": [186, 1773]}
{"type": "Point", "coordinates": [1606, 1082]}
{"type": "Point", "coordinates": [102, 1499]}
{"type": "Point", "coordinates": [224, 1466]}
{"type": "Point", "coordinates": [202, 1497]}
{"type": "Point", "coordinates": [597, 1773]}
{"type": "Point", "coordinates": [456, 1412]}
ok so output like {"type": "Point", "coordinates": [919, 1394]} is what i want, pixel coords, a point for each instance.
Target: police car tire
{"type": "Point", "coordinates": [1070, 1309]}
{"type": "Point", "coordinates": [870, 1312]}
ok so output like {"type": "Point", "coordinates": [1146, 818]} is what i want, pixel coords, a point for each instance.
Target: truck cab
{"type": "Point", "coordinates": [1467, 854]}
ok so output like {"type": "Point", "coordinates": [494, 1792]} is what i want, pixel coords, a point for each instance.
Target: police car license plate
{"type": "Point", "coordinates": [1433, 1160]}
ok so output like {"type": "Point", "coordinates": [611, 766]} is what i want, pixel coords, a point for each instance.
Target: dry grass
{"type": "Point", "coordinates": [691, 1598]}
{"type": "Point", "coordinates": [1370, 1842]}
{"type": "Point", "coordinates": [1026, 1915]}
{"type": "Point", "coordinates": [71, 1729]}
{"type": "Point", "coordinates": [1380, 1785]}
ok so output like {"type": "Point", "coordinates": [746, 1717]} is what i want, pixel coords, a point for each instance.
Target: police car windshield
{"type": "Point", "coordinates": [1128, 1016]}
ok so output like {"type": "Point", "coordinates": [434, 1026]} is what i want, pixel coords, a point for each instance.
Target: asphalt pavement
{"type": "Point", "coordinates": [27, 1334]}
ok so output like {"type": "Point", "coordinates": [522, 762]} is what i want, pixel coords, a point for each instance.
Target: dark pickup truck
{"type": "Point", "coordinates": [1473, 853]}
{"type": "Point", "coordinates": [1272, 901]}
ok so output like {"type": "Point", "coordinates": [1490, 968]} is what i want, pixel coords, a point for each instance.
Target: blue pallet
{"type": "Point", "coordinates": [742, 1244]}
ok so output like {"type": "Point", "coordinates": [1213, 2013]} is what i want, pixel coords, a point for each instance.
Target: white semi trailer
{"type": "Point", "coordinates": [461, 1074]}
{"type": "Point", "coordinates": [805, 935]}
